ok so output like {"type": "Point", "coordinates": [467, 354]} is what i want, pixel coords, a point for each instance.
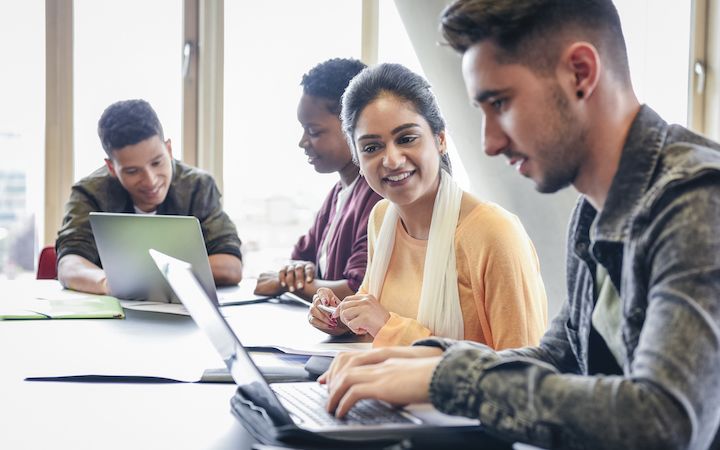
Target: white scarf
{"type": "Point", "coordinates": [439, 308]}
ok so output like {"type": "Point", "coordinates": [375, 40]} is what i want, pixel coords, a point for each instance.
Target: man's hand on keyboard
{"type": "Point", "coordinates": [397, 375]}
{"type": "Point", "coordinates": [347, 360]}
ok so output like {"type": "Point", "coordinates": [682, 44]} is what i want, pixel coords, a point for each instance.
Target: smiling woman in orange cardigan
{"type": "Point", "coordinates": [440, 262]}
{"type": "Point", "coordinates": [502, 296]}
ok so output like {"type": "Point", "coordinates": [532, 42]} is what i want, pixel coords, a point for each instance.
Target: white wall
{"type": "Point", "coordinates": [545, 216]}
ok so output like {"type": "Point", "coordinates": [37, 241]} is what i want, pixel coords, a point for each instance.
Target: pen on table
{"type": "Point", "coordinates": [328, 309]}
{"type": "Point", "coordinates": [245, 302]}
{"type": "Point", "coordinates": [295, 297]}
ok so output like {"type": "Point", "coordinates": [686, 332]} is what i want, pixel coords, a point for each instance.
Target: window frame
{"type": "Point", "coordinates": [202, 117]}
{"type": "Point", "coordinates": [704, 95]}
{"type": "Point", "coordinates": [58, 113]}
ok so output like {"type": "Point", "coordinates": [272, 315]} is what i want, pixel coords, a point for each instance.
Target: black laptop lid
{"type": "Point", "coordinates": [208, 318]}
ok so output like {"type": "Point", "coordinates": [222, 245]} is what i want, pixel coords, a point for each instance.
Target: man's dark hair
{"type": "Point", "coordinates": [329, 79]}
{"type": "Point", "coordinates": [127, 122]}
{"type": "Point", "coordinates": [395, 80]}
{"type": "Point", "coordinates": [531, 32]}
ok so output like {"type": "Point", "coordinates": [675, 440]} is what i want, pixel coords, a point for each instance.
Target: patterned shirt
{"type": "Point", "coordinates": [658, 237]}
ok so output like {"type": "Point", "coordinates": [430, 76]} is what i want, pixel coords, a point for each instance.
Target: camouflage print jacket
{"type": "Point", "coordinates": [659, 238]}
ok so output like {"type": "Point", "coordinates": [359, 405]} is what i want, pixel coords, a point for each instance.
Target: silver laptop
{"type": "Point", "coordinates": [294, 406]}
{"type": "Point", "coordinates": [123, 241]}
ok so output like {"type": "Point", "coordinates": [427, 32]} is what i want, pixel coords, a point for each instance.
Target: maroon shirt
{"type": "Point", "coordinates": [347, 249]}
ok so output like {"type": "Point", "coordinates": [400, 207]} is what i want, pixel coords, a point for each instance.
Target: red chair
{"type": "Point", "coordinates": [47, 264]}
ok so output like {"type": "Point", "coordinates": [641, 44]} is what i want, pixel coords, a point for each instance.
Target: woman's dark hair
{"type": "Point", "coordinates": [329, 79]}
{"type": "Point", "coordinates": [127, 122]}
{"type": "Point", "coordinates": [398, 81]}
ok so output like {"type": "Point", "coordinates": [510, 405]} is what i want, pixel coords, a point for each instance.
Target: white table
{"type": "Point", "coordinates": [74, 415]}
{"type": "Point", "coordinates": [38, 415]}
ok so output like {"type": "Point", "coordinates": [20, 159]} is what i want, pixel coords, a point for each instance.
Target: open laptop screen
{"type": "Point", "coordinates": [123, 241]}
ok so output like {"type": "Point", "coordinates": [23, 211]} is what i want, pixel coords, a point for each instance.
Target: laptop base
{"type": "Point", "coordinates": [261, 426]}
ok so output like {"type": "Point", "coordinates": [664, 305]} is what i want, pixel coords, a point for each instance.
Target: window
{"type": "Point", "coordinates": [270, 191]}
{"type": "Point", "coordinates": [123, 50]}
{"type": "Point", "coordinates": [657, 34]}
{"type": "Point", "coordinates": [22, 89]}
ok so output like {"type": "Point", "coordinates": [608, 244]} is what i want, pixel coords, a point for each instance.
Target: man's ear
{"type": "Point", "coordinates": [581, 61]}
{"type": "Point", "coordinates": [168, 146]}
{"type": "Point", "coordinates": [111, 167]}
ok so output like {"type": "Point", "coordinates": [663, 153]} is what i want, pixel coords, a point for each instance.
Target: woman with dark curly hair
{"type": "Point", "coordinates": [333, 253]}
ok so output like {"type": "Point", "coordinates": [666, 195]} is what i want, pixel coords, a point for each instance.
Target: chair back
{"type": "Point", "coordinates": [47, 264]}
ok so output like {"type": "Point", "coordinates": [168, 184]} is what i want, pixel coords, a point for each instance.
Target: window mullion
{"type": "Point", "coordinates": [210, 88]}
{"type": "Point", "coordinates": [698, 66]}
{"type": "Point", "coordinates": [712, 66]}
{"type": "Point", "coordinates": [58, 113]}
{"type": "Point", "coordinates": [370, 31]}
{"type": "Point", "coordinates": [190, 82]}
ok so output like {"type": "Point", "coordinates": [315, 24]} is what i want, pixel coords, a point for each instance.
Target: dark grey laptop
{"type": "Point", "coordinates": [123, 241]}
{"type": "Point", "coordinates": [293, 408]}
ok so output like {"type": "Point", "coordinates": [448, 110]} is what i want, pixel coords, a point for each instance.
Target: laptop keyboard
{"type": "Point", "coordinates": [307, 401]}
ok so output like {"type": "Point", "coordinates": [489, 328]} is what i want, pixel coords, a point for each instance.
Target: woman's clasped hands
{"type": "Point", "coordinates": [360, 313]}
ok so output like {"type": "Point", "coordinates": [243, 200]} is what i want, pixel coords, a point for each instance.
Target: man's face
{"type": "Point", "coordinates": [528, 118]}
{"type": "Point", "coordinates": [144, 170]}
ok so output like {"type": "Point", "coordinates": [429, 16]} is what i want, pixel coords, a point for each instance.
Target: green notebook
{"type": "Point", "coordinates": [90, 307]}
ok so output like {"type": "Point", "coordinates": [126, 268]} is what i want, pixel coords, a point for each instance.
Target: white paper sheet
{"type": "Point", "coordinates": [321, 349]}
{"type": "Point", "coordinates": [158, 307]}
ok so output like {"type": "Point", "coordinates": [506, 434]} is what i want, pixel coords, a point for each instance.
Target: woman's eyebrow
{"type": "Point", "coordinates": [405, 126]}
{"type": "Point", "coordinates": [395, 130]}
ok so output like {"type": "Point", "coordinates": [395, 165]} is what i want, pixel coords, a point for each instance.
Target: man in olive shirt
{"type": "Point", "coordinates": [140, 176]}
